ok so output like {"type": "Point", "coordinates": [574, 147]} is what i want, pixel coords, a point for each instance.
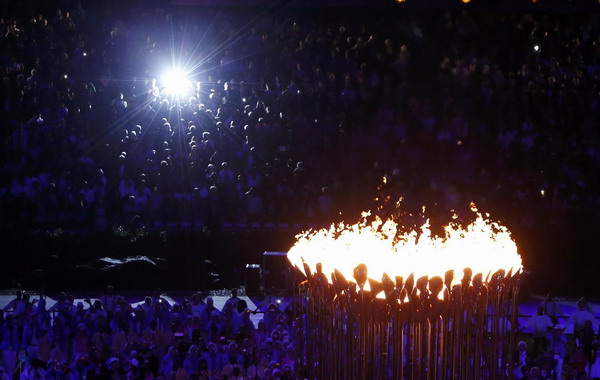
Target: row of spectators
{"type": "Point", "coordinates": [293, 117]}
{"type": "Point", "coordinates": [553, 355]}
{"type": "Point", "coordinates": [110, 338]}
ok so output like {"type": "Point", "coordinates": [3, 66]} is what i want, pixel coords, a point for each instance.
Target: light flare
{"type": "Point", "coordinates": [177, 83]}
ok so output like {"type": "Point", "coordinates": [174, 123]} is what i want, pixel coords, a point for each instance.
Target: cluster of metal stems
{"type": "Point", "coordinates": [421, 329]}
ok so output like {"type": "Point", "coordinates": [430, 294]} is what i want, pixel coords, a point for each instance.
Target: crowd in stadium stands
{"type": "Point", "coordinates": [111, 338]}
{"type": "Point", "coordinates": [294, 117]}
{"type": "Point", "coordinates": [108, 338]}
{"type": "Point", "coordinates": [553, 355]}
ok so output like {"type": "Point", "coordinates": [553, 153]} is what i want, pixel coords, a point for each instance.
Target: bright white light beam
{"type": "Point", "coordinates": [176, 83]}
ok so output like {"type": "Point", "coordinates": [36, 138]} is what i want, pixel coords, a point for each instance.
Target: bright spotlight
{"type": "Point", "coordinates": [176, 83]}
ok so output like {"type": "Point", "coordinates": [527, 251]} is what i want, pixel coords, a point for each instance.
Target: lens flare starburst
{"type": "Point", "coordinates": [176, 83]}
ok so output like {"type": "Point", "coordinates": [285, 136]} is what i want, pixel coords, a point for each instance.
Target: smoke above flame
{"type": "Point", "coordinates": [483, 246]}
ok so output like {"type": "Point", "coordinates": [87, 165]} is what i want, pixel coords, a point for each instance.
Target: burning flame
{"type": "Point", "coordinates": [483, 246]}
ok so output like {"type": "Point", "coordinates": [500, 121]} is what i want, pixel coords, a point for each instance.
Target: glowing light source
{"type": "Point", "coordinates": [176, 83]}
{"type": "Point", "coordinates": [483, 246]}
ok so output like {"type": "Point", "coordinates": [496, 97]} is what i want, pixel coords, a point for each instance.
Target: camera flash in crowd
{"type": "Point", "coordinates": [542, 192]}
{"type": "Point", "coordinates": [84, 54]}
{"type": "Point", "coordinates": [536, 48]}
{"type": "Point", "coordinates": [65, 76]}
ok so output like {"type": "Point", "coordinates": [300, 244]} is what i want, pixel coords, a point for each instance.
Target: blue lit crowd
{"type": "Point", "coordinates": [293, 117]}
{"type": "Point", "coordinates": [109, 338]}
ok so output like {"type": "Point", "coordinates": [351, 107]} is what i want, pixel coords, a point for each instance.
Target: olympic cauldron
{"type": "Point", "coordinates": [385, 305]}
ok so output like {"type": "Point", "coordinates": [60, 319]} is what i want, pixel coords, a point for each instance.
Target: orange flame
{"type": "Point", "coordinates": [483, 246]}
